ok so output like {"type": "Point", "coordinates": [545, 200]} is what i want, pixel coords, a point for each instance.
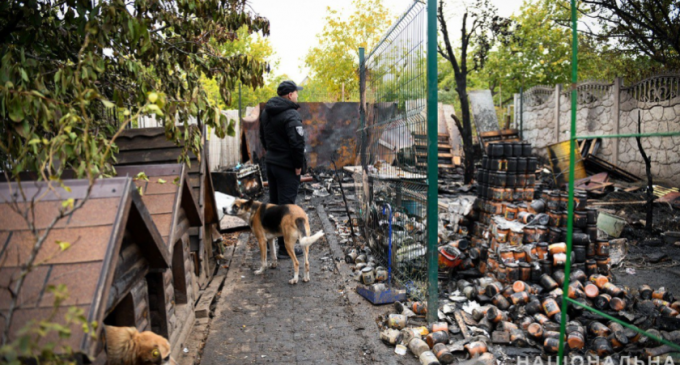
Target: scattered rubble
{"type": "Point", "coordinates": [502, 257]}
{"type": "Point", "coordinates": [501, 261]}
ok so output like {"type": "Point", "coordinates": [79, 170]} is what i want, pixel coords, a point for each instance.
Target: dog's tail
{"type": "Point", "coordinates": [303, 228]}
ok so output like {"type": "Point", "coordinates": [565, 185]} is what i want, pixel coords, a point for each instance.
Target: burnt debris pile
{"type": "Point", "coordinates": [502, 274]}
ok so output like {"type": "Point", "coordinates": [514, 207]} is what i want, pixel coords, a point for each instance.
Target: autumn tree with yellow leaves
{"type": "Point", "coordinates": [334, 61]}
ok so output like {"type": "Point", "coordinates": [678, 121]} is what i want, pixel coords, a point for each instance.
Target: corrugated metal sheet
{"type": "Point", "coordinates": [330, 128]}
{"type": "Point", "coordinates": [226, 152]}
{"type": "Point", "coordinates": [483, 110]}
{"type": "Point", "coordinates": [149, 121]}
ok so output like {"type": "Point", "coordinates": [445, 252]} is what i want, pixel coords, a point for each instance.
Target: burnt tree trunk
{"type": "Point", "coordinates": [650, 184]}
{"type": "Point", "coordinates": [468, 148]}
{"type": "Point", "coordinates": [460, 71]}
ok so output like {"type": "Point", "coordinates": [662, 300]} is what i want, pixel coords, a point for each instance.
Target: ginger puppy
{"type": "Point", "coordinates": [127, 346]}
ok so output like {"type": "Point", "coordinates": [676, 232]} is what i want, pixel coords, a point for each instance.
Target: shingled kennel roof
{"type": "Point", "coordinates": [166, 191]}
{"type": "Point", "coordinates": [95, 232]}
{"type": "Point", "coordinates": [150, 146]}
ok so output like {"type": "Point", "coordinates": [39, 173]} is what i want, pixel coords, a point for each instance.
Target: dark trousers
{"type": "Point", "coordinates": [283, 189]}
{"type": "Point", "coordinates": [283, 184]}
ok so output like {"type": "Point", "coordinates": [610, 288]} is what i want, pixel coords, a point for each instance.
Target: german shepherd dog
{"type": "Point", "coordinates": [268, 221]}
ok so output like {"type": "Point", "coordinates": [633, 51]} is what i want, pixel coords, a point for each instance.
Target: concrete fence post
{"type": "Point", "coordinates": [616, 115]}
{"type": "Point", "coordinates": [558, 90]}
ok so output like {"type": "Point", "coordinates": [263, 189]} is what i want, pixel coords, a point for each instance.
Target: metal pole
{"type": "Point", "coordinates": [239, 103]}
{"type": "Point", "coordinates": [362, 108]}
{"type": "Point", "coordinates": [432, 131]}
{"type": "Point", "coordinates": [570, 214]}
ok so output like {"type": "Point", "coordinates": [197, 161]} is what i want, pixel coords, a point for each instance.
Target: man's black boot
{"type": "Point", "coordinates": [282, 254]}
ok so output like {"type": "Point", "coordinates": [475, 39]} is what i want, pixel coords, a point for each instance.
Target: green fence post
{"type": "Point", "coordinates": [362, 109]}
{"type": "Point", "coordinates": [362, 86]}
{"type": "Point", "coordinates": [521, 112]}
{"type": "Point", "coordinates": [432, 168]}
{"type": "Point", "coordinates": [572, 146]}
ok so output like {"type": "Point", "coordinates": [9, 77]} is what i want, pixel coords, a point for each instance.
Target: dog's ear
{"type": "Point", "coordinates": [248, 204]}
{"type": "Point", "coordinates": [118, 343]}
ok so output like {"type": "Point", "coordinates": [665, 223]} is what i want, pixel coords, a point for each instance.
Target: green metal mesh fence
{"type": "Point", "coordinates": [393, 151]}
{"type": "Point", "coordinates": [566, 301]}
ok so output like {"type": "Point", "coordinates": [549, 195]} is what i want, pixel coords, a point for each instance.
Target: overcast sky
{"type": "Point", "coordinates": [295, 24]}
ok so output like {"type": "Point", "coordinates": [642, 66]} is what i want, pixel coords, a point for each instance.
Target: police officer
{"type": "Point", "coordinates": [283, 139]}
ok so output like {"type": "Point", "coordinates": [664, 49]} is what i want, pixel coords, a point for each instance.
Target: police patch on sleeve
{"type": "Point", "coordinates": [300, 130]}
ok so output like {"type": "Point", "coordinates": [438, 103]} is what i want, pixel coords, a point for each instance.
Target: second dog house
{"type": "Point", "coordinates": [167, 195]}
{"type": "Point", "coordinates": [149, 146]}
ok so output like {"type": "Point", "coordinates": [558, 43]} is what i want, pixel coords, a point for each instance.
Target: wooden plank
{"type": "Point", "coordinates": [124, 283]}
{"type": "Point", "coordinates": [600, 204]}
{"type": "Point", "coordinates": [150, 170]}
{"type": "Point", "coordinates": [141, 157]}
{"type": "Point", "coordinates": [140, 297]}
{"type": "Point", "coordinates": [194, 181]}
{"type": "Point", "coordinates": [141, 132]}
{"type": "Point", "coordinates": [602, 177]}
{"type": "Point", "coordinates": [461, 324]}
{"type": "Point", "coordinates": [182, 225]}
{"type": "Point", "coordinates": [593, 163]}
{"type": "Point", "coordinates": [189, 204]}
{"type": "Point", "coordinates": [183, 330]}
{"type": "Point", "coordinates": [596, 186]}
{"type": "Point", "coordinates": [210, 209]}
{"type": "Point", "coordinates": [203, 305]}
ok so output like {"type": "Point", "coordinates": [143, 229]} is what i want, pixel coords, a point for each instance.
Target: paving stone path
{"type": "Point", "coordinates": [263, 319]}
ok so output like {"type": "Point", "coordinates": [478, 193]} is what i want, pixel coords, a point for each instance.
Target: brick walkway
{"type": "Point", "coordinates": [263, 319]}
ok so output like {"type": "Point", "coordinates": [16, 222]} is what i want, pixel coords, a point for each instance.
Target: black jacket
{"type": "Point", "coordinates": [282, 134]}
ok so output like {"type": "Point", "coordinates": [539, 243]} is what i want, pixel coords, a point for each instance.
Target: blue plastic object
{"type": "Point", "coordinates": [389, 294]}
{"type": "Point", "coordinates": [389, 244]}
